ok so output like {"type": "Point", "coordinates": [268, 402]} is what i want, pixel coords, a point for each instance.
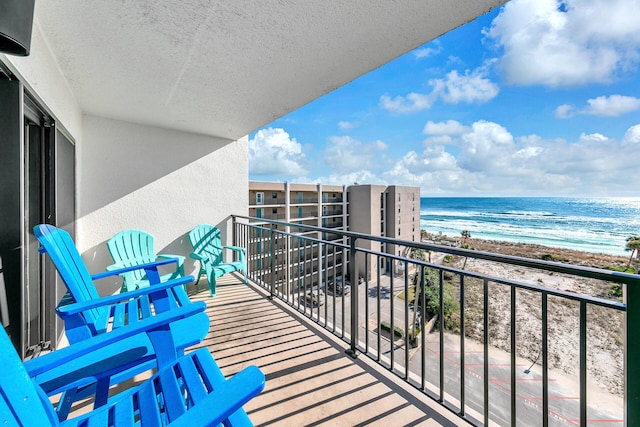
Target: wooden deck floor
{"type": "Point", "coordinates": [310, 379]}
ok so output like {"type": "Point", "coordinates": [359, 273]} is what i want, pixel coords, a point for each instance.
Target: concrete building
{"type": "Point", "coordinates": [306, 204]}
{"type": "Point", "coordinates": [388, 211]}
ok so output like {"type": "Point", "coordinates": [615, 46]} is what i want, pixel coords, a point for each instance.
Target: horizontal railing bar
{"type": "Point", "coordinates": [590, 272]}
{"type": "Point", "coordinates": [531, 287]}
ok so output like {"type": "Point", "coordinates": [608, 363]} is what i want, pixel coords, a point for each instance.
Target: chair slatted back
{"type": "Point", "coordinates": [206, 242]}
{"type": "Point", "coordinates": [129, 248]}
{"type": "Point", "coordinates": [58, 244]}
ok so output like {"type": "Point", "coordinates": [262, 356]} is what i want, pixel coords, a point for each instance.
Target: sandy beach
{"type": "Point", "coordinates": [605, 327]}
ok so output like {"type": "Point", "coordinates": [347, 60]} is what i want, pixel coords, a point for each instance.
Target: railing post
{"type": "Point", "coordinates": [632, 355]}
{"type": "Point", "coordinates": [271, 272]}
{"type": "Point", "coordinates": [353, 273]}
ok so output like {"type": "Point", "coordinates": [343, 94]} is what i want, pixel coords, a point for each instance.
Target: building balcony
{"type": "Point", "coordinates": [311, 380]}
{"type": "Point", "coordinates": [403, 354]}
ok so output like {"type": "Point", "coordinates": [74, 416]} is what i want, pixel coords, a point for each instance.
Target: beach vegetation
{"type": "Point", "coordinates": [432, 298]}
{"type": "Point", "coordinates": [553, 258]}
{"type": "Point", "coordinates": [633, 245]}
{"type": "Point", "coordinates": [615, 290]}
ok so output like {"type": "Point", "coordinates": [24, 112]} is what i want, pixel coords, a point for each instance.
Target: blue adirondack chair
{"type": "Point", "coordinates": [87, 315]}
{"type": "Point", "coordinates": [135, 247]}
{"type": "Point", "coordinates": [188, 391]}
{"type": "Point", "coordinates": [208, 249]}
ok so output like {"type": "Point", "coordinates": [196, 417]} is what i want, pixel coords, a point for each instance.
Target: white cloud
{"type": "Point", "coordinates": [566, 43]}
{"type": "Point", "coordinates": [469, 88]}
{"type": "Point", "coordinates": [482, 158]}
{"type": "Point", "coordinates": [344, 125]}
{"type": "Point", "coordinates": [346, 155]}
{"type": "Point", "coordinates": [565, 111]}
{"type": "Point", "coordinates": [632, 136]}
{"type": "Point", "coordinates": [361, 177]}
{"type": "Point", "coordinates": [604, 106]}
{"type": "Point", "coordinates": [273, 152]}
{"type": "Point", "coordinates": [409, 104]}
{"type": "Point", "coordinates": [489, 160]}
{"type": "Point", "coordinates": [427, 51]}
{"type": "Point", "coordinates": [593, 137]}
{"type": "Point", "coordinates": [472, 86]}
{"type": "Point", "coordinates": [450, 127]}
{"type": "Point", "coordinates": [614, 105]}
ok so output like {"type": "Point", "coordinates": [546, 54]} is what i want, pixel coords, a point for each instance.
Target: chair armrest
{"type": "Point", "coordinates": [179, 258]}
{"type": "Point", "coordinates": [115, 269]}
{"type": "Point", "coordinates": [65, 355]}
{"type": "Point", "coordinates": [239, 250]}
{"type": "Point", "coordinates": [79, 307]}
{"type": "Point", "coordinates": [226, 398]}
{"type": "Point", "coordinates": [197, 256]}
{"type": "Point", "coordinates": [234, 248]}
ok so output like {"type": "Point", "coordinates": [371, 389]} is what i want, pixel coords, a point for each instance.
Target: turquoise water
{"type": "Point", "coordinates": [599, 225]}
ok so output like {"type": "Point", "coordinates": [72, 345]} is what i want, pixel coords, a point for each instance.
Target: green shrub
{"type": "Point", "coordinates": [551, 257]}
{"type": "Point", "coordinates": [432, 297]}
{"type": "Point", "coordinates": [615, 290]}
{"type": "Point", "coordinates": [397, 331]}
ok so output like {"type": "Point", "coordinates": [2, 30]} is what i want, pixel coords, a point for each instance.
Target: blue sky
{"type": "Point", "coordinates": [538, 97]}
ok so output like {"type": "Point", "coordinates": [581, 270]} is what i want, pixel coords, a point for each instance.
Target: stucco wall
{"type": "Point", "coordinates": [41, 75]}
{"type": "Point", "coordinates": [158, 180]}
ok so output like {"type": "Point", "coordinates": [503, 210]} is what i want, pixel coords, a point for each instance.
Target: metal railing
{"type": "Point", "coordinates": [469, 309]}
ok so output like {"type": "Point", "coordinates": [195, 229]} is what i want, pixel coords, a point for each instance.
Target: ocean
{"type": "Point", "coordinates": [599, 225]}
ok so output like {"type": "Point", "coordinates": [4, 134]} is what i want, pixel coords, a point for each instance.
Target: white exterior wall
{"type": "Point", "coordinates": [158, 180]}
{"type": "Point", "coordinates": [135, 176]}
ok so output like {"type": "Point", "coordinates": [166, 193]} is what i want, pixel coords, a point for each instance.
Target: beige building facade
{"type": "Point", "coordinates": [386, 211]}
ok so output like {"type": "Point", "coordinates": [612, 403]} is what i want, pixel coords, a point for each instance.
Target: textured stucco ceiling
{"type": "Point", "coordinates": [225, 68]}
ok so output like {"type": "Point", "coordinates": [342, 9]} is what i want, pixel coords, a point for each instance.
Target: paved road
{"type": "Point", "coordinates": [563, 399]}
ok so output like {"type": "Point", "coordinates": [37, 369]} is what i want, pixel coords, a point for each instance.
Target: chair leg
{"type": "Point", "coordinates": [246, 280]}
{"type": "Point", "coordinates": [212, 285]}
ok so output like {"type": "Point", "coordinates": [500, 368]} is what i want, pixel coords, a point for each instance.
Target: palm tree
{"type": "Point", "coordinates": [465, 235]}
{"type": "Point", "coordinates": [633, 245]}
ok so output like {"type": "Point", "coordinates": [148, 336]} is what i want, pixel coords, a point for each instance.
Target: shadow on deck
{"type": "Point", "coordinates": [310, 379]}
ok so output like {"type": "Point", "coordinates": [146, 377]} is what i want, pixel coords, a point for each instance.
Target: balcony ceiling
{"type": "Point", "coordinates": [225, 68]}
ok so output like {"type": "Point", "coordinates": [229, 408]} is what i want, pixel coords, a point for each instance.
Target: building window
{"type": "Point", "coordinates": [398, 196]}
{"type": "Point", "coordinates": [274, 210]}
{"type": "Point", "coordinates": [398, 209]}
{"type": "Point", "coordinates": [259, 198]}
{"type": "Point", "coordinates": [398, 220]}
{"type": "Point", "coordinates": [333, 208]}
{"type": "Point", "coordinates": [259, 213]}
{"type": "Point", "coordinates": [413, 197]}
{"type": "Point", "coordinates": [300, 214]}
{"type": "Point", "coordinates": [324, 210]}
{"type": "Point", "coordinates": [274, 195]}
{"type": "Point", "coordinates": [300, 198]}
{"type": "Point", "coordinates": [398, 231]}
